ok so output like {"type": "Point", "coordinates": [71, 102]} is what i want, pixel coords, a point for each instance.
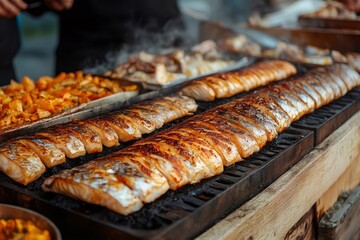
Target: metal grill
{"type": "Point", "coordinates": [190, 210]}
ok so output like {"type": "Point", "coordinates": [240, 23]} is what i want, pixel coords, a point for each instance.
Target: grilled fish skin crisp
{"type": "Point", "coordinates": [23, 168]}
{"type": "Point", "coordinates": [219, 86]}
{"type": "Point", "coordinates": [245, 143]}
{"type": "Point", "coordinates": [172, 168]}
{"type": "Point", "coordinates": [66, 141]}
{"type": "Point", "coordinates": [144, 125]}
{"type": "Point", "coordinates": [196, 169]}
{"type": "Point", "coordinates": [290, 103]}
{"type": "Point", "coordinates": [125, 128]}
{"type": "Point", "coordinates": [94, 184]}
{"type": "Point", "coordinates": [90, 138]}
{"type": "Point", "coordinates": [325, 93]}
{"type": "Point", "coordinates": [187, 104]}
{"type": "Point", "coordinates": [210, 158]}
{"type": "Point", "coordinates": [311, 90]}
{"type": "Point", "coordinates": [327, 80]}
{"type": "Point", "coordinates": [234, 80]}
{"type": "Point", "coordinates": [109, 137]}
{"type": "Point", "coordinates": [152, 116]}
{"type": "Point", "coordinates": [283, 102]}
{"type": "Point", "coordinates": [324, 83]}
{"type": "Point", "coordinates": [200, 91]}
{"type": "Point", "coordinates": [49, 154]}
{"type": "Point", "coordinates": [330, 76]}
{"type": "Point", "coordinates": [300, 93]}
{"type": "Point", "coordinates": [348, 75]}
{"type": "Point", "coordinates": [255, 115]}
{"type": "Point", "coordinates": [258, 133]}
{"type": "Point", "coordinates": [229, 84]}
{"type": "Point", "coordinates": [226, 149]}
{"type": "Point", "coordinates": [163, 112]}
{"type": "Point", "coordinates": [264, 102]}
{"type": "Point", "coordinates": [247, 79]}
{"type": "Point", "coordinates": [148, 183]}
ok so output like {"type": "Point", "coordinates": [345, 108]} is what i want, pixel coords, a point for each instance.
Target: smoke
{"type": "Point", "coordinates": [175, 34]}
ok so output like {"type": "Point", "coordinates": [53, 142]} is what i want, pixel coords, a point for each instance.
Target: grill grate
{"type": "Point", "coordinates": [188, 211]}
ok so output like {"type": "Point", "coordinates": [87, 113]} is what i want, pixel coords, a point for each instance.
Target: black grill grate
{"type": "Point", "coordinates": [190, 210]}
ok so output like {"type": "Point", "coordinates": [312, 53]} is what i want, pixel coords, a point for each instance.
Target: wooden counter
{"type": "Point", "coordinates": [334, 165]}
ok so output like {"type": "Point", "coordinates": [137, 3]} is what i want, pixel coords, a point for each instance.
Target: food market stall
{"type": "Point", "coordinates": [223, 153]}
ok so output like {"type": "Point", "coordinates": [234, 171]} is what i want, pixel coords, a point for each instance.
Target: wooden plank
{"type": "Point", "coordinates": [342, 221]}
{"type": "Point", "coordinates": [271, 214]}
{"type": "Point", "coordinates": [304, 228]}
{"type": "Point", "coordinates": [347, 181]}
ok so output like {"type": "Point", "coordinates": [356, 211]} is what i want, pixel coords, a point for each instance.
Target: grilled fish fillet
{"type": "Point", "coordinates": [125, 128]}
{"type": "Point", "coordinates": [210, 158]}
{"type": "Point", "coordinates": [311, 90]}
{"type": "Point", "coordinates": [66, 141]}
{"type": "Point", "coordinates": [292, 105]}
{"type": "Point", "coordinates": [229, 84]}
{"type": "Point", "coordinates": [306, 97]}
{"type": "Point", "coordinates": [138, 174]}
{"type": "Point", "coordinates": [90, 138]}
{"type": "Point", "coordinates": [196, 169]}
{"type": "Point", "coordinates": [49, 154]}
{"type": "Point", "coordinates": [256, 116]}
{"type": "Point", "coordinates": [173, 169]}
{"type": "Point", "coordinates": [324, 92]}
{"type": "Point", "coordinates": [108, 136]}
{"type": "Point", "coordinates": [95, 184]}
{"type": "Point", "coordinates": [330, 76]}
{"type": "Point", "coordinates": [23, 168]}
{"type": "Point", "coordinates": [144, 125]}
{"type": "Point", "coordinates": [246, 143]}
{"type": "Point", "coordinates": [223, 145]}
{"type": "Point", "coordinates": [266, 104]}
{"type": "Point", "coordinates": [200, 91]}
{"type": "Point", "coordinates": [347, 74]}
{"type": "Point", "coordinates": [254, 130]}
{"type": "Point", "coordinates": [183, 105]}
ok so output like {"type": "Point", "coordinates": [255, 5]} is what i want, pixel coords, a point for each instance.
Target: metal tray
{"type": "Point", "coordinates": [65, 116]}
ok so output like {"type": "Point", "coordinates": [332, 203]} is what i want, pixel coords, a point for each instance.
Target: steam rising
{"type": "Point", "coordinates": [169, 38]}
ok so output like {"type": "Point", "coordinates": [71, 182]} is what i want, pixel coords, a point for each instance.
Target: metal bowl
{"type": "Point", "coordinates": [10, 211]}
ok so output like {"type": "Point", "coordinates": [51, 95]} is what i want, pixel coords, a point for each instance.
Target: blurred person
{"type": "Point", "coordinates": [9, 31]}
{"type": "Point", "coordinates": [92, 29]}
{"type": "Point", "coordinates": [353, 5]}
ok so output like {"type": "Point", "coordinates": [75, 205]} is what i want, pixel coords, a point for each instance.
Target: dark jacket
{"type": "Point", "coordinates": [9, 46]}
{"type": "Point", "coordinates": [93, 28]}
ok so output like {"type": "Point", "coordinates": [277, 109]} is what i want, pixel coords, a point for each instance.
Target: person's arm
{"type": "Point", "coordinates": [59, 5]}
{"type": "Point", "coordinates": [11, 8]}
